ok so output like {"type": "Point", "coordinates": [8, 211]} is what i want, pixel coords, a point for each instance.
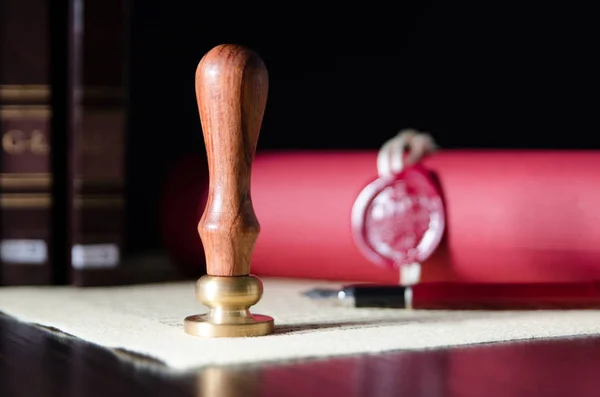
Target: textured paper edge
{"type": "Point", "coordinates": [539, 327]}
{"type": "Point", "coordinates": [149, 362]}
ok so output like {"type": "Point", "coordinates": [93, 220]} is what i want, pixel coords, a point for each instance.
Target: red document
{"type": "Point", "coordinates": [511, 216]}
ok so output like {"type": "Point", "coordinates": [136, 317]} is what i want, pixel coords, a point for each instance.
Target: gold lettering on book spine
{"type": "Point", "coordinates": [15, 142]}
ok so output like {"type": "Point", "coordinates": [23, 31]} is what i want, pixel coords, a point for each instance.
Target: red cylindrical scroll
{"type": "Point", "coordinates": [511, 216]}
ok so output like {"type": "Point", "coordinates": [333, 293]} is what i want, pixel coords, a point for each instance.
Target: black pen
{"type": "Point", "coordinates": [465, 296]}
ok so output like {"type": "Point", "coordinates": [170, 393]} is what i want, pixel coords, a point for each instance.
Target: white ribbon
{"type": "Point", "coordinates": [391, 157]}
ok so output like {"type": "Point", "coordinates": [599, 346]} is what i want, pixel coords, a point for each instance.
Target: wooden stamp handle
{"type": "Point", "coordinates": [231, 90]}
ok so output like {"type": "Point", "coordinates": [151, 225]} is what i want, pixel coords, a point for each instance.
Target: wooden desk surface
{"type": "Point", "coordinates": [37, 363]}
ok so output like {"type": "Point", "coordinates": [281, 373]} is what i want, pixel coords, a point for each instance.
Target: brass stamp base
{"type": "Point", "coordinates": [228, 299]}
{"type": "Point", "coordinates": [201, 325]}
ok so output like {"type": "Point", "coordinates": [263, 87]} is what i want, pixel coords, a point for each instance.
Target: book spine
{"type": "Point", "coordinates": [25, 114]}
{"type": "Point", "coordinates": [99, 148]}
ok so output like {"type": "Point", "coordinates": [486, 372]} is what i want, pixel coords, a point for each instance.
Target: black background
{"type": "Point", "coordinates": [349, 75]}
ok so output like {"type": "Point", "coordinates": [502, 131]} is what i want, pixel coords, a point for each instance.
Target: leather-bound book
{"type": "Point", "coordinates": [99, 253]}
{"type": "Point", "coordinates": [63, 123]}
{"type": "Point", "coordinates": [25, 166]}
{"type": "Point", "coordinates": [99, 147]}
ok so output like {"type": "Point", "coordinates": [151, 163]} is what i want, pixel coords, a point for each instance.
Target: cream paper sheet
{"type": "Point", "coordinates": [147, 320]}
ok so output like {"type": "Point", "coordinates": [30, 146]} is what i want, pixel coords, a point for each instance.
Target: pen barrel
{"type": "Point", "coordinates": [377, 296]}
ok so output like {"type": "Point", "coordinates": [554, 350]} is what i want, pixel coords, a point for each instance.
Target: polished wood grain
{"type": "Point", "coordinates": [231, 90]}
{"type": "Point", "coordinates": [34, 362]}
